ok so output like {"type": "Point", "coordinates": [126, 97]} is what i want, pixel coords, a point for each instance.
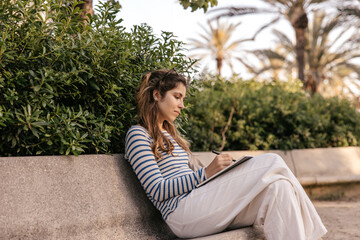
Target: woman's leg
{"type": "Point", "coordinates": [278, 212]}
{"type": "Point", "coordinates": [251, 193]}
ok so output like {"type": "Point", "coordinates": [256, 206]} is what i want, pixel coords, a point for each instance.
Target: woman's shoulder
{"type": "Point", "coordinates": [137, 137]}
{"type": "Point", "coordinates": [138, 130]}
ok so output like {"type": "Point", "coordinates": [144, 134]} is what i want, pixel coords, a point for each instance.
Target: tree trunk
{"type": "Point", "coordinates": [310, 84]}
{"type": "Point", "coordinates": [300, 52]}
{"type": "Point", "coordinates": [219, 65]}
{"type": "Point", "coordinates": [299, 21]}
{"type": "Point", "coordinates": [313, 81]}
{"type": "Point", "coordinates": [87, 6]}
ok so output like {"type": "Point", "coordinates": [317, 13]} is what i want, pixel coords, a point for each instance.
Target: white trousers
{"type": "Point", "coordinates": [262, 192]}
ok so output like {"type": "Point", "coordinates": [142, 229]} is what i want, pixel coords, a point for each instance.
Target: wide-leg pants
{"type": "Point", "coordinates": [262, 192]}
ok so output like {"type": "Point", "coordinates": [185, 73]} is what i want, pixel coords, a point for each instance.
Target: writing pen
{"type": "Point", "coordinates": [218, 153]}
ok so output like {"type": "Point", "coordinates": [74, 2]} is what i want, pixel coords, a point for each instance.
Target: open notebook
{"type": "Point", "coordinates": [236, 163]}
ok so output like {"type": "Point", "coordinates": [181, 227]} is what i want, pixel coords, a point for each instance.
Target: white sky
{"type": "Point", "coordinates": [169, 15]}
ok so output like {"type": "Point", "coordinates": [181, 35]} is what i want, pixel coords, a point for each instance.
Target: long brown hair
{"type": "Point", "coordinates": [148, 111]}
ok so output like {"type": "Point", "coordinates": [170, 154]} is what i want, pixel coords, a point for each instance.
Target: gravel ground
{"type": "Point", "coordinates": [341, 218]}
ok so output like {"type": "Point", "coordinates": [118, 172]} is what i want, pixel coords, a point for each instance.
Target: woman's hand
{"type": "Point", "coordinates": [219, 163]}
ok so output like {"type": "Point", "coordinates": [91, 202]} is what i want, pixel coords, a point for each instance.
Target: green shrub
{"type": "Point", "coordinates": [267, 116]}
{"type": "Point", "coordinates": [67, 85]}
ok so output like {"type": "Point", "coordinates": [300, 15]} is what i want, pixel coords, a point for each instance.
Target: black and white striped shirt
{"type": "Point", "coordinates": [165, 181]}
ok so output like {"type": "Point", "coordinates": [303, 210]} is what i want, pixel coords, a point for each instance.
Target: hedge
{"type": "Point", "coordinates": [66, 83]}
{"type": "Point", "coordinates": [275, 115]}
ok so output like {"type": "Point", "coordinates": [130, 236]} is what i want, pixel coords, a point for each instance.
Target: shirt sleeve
{"type": "Point", "coordinates": [139, 154]}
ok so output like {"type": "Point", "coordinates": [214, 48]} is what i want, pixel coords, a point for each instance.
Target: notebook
{"type": "Point", "coordinates": [236, 163]}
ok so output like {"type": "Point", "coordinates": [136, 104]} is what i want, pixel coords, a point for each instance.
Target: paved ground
{"type": "Point", "coordinates": [341, 218]}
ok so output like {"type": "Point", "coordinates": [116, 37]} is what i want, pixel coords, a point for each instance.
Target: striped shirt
{"type": "Point", "coordinates": [165, 181]}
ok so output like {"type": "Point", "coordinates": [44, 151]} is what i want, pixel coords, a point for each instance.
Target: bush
{"type": "Point", "coordinates": [267, 116]}
{"type": "Point", "coordinates": [66, 84]}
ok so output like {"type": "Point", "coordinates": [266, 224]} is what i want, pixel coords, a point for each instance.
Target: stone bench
{"type": "Point", "coordinates": [99, 196]}
{"type": "Point", "coordinates": [67, 197]}
{"type": "Point", "coordinates": [318, 166]}
{"type": "Point", "coordinates": [325, 173]}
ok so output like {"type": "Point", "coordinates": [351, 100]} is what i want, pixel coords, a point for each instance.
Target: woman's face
{"type": "Point", "coordinates": [171, 104]}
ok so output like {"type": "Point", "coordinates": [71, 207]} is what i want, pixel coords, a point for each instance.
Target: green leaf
{"type": "Point", "coordinates": [37, 88]}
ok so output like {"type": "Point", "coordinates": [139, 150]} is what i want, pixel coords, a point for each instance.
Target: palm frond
{"type": "Point", "coordinates": [207, 31]}
{"type": "Point", "coordinates": [239, 11]}
{"type": "Point", "coordinates": [354, 67]}
{"type": "Point", "coordinates": [250, 68]}
{"type": "Point", "coordinates": [269, 54]}
{"type": "Point", "coordinates": [283, 39]}
{"type": "Point", "coordinates": [317, 1]}
{"type": "Point", "coordinates": [352, 10]}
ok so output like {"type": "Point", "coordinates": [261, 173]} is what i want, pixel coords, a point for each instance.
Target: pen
{"type": "Point", "coordinates": [218, 153]}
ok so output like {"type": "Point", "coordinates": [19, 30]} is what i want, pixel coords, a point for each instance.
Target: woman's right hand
{"type": "Point", "coordinates": [219, 163]}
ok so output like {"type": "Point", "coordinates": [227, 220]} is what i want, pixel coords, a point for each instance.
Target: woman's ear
{"type": "Point", "coordinates": [156, 95]}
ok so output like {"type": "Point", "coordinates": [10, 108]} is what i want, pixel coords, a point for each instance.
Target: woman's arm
{"type": "Point", "coordinates": [138, 152]}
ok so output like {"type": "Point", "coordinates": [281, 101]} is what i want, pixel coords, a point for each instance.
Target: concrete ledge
{"type": "Point", "coordinates": [311, 166]}
{"type": "Point", "coordinates": [85, 197]}
{"type": "Point", "coordinates": [329, 180]}
{"type": "Point", "coordinates": [66, 197]}
{"type": "Point", "coordinates": [99, 196]}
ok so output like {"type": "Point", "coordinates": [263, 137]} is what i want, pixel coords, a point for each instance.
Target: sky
{"type": "Point", "coordinates": [169, 15]}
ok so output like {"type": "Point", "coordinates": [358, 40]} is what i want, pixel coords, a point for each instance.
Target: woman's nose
{"type": "Point", "coordinates": [181, 104]}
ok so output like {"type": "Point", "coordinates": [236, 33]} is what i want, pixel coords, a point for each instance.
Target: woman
{"type": "Point", "coordinates": [262, 191]}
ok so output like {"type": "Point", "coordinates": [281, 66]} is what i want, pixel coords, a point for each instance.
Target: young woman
{"type": "Point", "coordinates": [262, 191]}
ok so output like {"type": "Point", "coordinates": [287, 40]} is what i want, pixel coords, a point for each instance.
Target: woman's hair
{"type": "Point", "coordinates": [148, 111]}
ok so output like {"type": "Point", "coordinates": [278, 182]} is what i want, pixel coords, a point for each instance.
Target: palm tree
{"type": "Point", "coordinates": [295, 11]}
{"type": "Point", "coordinates": [278, 63]}
{"type": "Point", "coordinates": [331, 59]}
{"type": "Point", "coordinates": [330, 52]}
{"type": "Point", "coordinates": [351, 11]}
{"type": "Point", "coordinates": [216, 43]}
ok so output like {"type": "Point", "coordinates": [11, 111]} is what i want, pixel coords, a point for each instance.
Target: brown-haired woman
{"type": "Point", "coordinates": [262, 191]}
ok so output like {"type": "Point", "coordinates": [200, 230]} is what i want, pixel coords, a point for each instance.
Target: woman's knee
{"type": "Point", "coordinates": [282, 188]}
{"type": "Point", "coordinates": [272, 158]}
{"type": "Point", "coordinates": [276, 157]}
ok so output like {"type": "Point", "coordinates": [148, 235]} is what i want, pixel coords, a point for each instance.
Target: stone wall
{"type": "Point", "coordinates": [67, 197]}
